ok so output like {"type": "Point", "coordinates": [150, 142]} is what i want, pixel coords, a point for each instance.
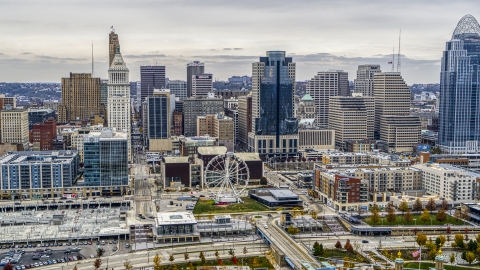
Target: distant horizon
{"type": "Point", "coordinates": [227, 36]}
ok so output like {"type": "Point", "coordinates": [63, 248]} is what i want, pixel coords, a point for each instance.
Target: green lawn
{"type": "Point", "coordinates": [399, 221]}
{"type": "Point", "coordinates": [261, 262]}
{"type": "Point", "coordinates": [207, 207]}
{"type": "Point", "coordinates": [428, 265]}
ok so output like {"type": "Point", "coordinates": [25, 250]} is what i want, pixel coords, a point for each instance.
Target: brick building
{"type": "Point", "coordinates": [42, 135]}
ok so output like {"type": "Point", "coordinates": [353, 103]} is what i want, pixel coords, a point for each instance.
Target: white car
{"type": "Point", "coordinates": [266, 226]}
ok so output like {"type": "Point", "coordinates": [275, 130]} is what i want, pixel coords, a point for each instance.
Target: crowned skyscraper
{"type": "Point", "coordinates": [118, 94]}
{"type": "Point", "coordinates": [459, 113]}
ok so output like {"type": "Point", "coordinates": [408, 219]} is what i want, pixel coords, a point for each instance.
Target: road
{"type": "Point", "coordinates": [296, 252]}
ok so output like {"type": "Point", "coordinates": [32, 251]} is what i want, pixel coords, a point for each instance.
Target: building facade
{"type": "Point", "coordinates": [323, 86]}
{"type": "Point", "coordinates": [151, 77]}
{"type": "Point", "coordinates": [244, 120]}
{"type": "Point", "coordinates": [402, 133]}
{"type": "Point", "coordinates": [274, 127]}
{"type": "Point", "coordinates": [118, 94]}
{"type": "Point", "coordinates": [451, 183]}
{"type": "Point", "coordinates": [193, 107]}
{"type": "Point", "coordinates": [363, 84]}
{"type": "Point", "coordinates": [15, 127]}
{"type": "Point", "coordinates": [106, 158]}
{"type": "Point", "coordinates": [178, 88]}
{"type": "Point", "coordinates": [352, 118]}
{"type": "Point", "coordinates": [80, 98]}
{"type": "Point", "coordinates": [459, 113]}
{"type": "Point", "coordinates": [193, 68]}
{"type": "Point", "coordinates": [25, 171]}
{"type": "Point", "coordinates": [158, 115]}
{"type": "Point", "coordinates": [113, 43]}
{"type": "Point", "coordinates": [43, 135]}
{"type": "Point", "coordinates": [202, 84]}
{"type": "Point", "coordinates": [37, 116]}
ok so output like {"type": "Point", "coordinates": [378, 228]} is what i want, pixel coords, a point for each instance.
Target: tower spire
{"type": "Point", "coordinates": [398, 57]}
{"type": "Point", "coordinates": [393, 61]}
{"type": "Point", "coordinates": [93, 66]}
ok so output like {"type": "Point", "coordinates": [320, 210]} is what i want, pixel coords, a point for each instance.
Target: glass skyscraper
{"type": "Point", "coordinates": [105, 156]}
{"type": "Point", "coordinates": [273, 88]}
{"type": "Point", "coordinates": [459, 112]}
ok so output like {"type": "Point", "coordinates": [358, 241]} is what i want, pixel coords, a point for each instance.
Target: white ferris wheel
{"type": "Point", "coordinates": [227, 176]}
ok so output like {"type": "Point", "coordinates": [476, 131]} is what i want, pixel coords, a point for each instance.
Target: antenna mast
{"type": "Point", "coordinates": [93, 66]}
{"type": "Point", "coordinates": [393, 61]}
{"type": "Point", "coordinates": [398, 57]}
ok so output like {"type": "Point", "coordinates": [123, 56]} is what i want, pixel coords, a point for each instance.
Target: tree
{"type": "Point", "coordinates": [338, 245]}
{"type": "Point", "coordinates": [220, 261]}
{"type": "Point", "coordinates": [459, 240]}
{"type": "Point", "coordinates": [470, 257]}
{"type": "Point", "coordinates": [430, 245]}
{"type": "Point", "coordinates": [403, 206]}
{"type": "Point", "coordinates": [99, 252]}
{"type": "Point", "coordinates": [375, 217]}
{"type": "Point", "coordinates": [8, 266]}
{"type": "Point", "coordinates": [425, 217]}
{"type": "Point", "coordinates": [466, 213]}
{"type": "Point", "coordinates": [255, 262]}
{"type": "Point", "coordinates": [97, 263]}
{"type": "Point", "coordinates": [431, 205]}
{"type": "Point", "coordinates": [263, 181]}
{"type": "Point", "coordinates": [313, 214]}
{"type": "Point", "coordinates": [432, 253]}
{"type": "Point", "coordinates": [231, 252]}
{"type": "Point", "coordinates": [202, 258]}
{"type": "Point", "coordinates": [415, 231]}
{"type": "Point", "coordinates": [452, 258]}
{"type": "Point", "coordinates": [234, 259]}
{"type": "Point", "coordinates": [391, 217]}
{"type": "Point", "coordinates": [186, 256]}
{"type": "Point", "coordinates": [442, 239]}
{"type": "Point", "coordinates": [321, 251]}
{"type": "Point", "coordinates": [417, 206]}
{"type": "Point", "coordinates": [292, 230]}
{"type": "Point", "coordinates": [374, 207]}
{"type": "Point", "coordinates": [449, 230]}
{"type": "Point", "coordinates": [348, 246]}
{"type": "Point", "coordinates": [444, 205]}
{"type": "Point", "coordinates": [217, 254]}
{"type": "Point", "coordinates": [171, 258]}
{"type": "Point", "coordinates": [421, 239]}
{"type": "Point", "coordinates": [408, 217]}
{"type": "Point", "coordinates": [128, 265]}
{"type": "Point", "coordinates": [441, 215]}
{"type": "Point", "coordinates": [157, 261]}
{"type": "Point", "coordinates": [436, 150]}
{"type": "Point", "coordinates": [190, 266]}
{"type": "Point", "coordinates": [75, 267]}
{"type": "Point", "coordinates": [472, 245]}
{"type": "Point", "coordinates": [457, 215]}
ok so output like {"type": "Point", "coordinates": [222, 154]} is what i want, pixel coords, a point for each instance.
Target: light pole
{"type": "Point", "coordinates": [415, 221]}
{"type": "Point", "coordinates": [107, 262]}
{"type": "Point", "coordinates": [148, 257]}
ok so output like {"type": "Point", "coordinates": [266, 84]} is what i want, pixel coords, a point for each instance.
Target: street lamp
{"type": "Point", "coordinates": [415, 221]}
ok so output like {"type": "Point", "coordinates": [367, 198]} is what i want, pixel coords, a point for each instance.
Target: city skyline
{"type": "Point", "coordinates": [226, 36]}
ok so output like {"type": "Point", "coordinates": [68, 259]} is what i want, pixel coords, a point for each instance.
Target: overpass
{"type": "Point", "coordinates": [295, 253]}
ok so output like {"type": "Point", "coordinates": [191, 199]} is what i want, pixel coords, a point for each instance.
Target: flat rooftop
{"type": "Point", "coordinates": [175, 218]}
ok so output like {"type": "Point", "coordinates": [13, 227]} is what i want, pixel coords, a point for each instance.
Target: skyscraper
{"type": "Point", "coordinates": [151, 77]}
{"type": "Point", "coordinates": [392, 97]}
{"type": "Point", "coordinates": [118, 94]}
{"type": "Point", "coordinates": [159, 119]}
{"type": "Point", "coordinates": [459, 112]}
{"type": "Point", "coordinates": [81, 98]}
{"type": "Point", "coordinates": [244, 120]}
{"type": "Point", "coordinates": [193, 107]}
{"type": "Point", "coordinates": [202, 84]}
{"type": "Point", "coordinates": [364, 81]}
{"type": "Point", "coordinates": [112, 45]}
{"type": "Point", "coordinates": [324, 85]}
{"type": "Point", "coordinates": [275, 130]}
{"type": "Point", "coordinates": [193, 68]}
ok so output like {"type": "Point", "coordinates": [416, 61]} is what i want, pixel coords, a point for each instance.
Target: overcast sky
{"type": "Point", "coordinates": [44, 40]}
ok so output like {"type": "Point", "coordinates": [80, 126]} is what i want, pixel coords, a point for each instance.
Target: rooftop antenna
{"type": "Point", "coordinates": [398, 57]}
{"type": "Point", "coordinates": [393, 62]}
{"type": "Point", "coordinates": [93, 66]}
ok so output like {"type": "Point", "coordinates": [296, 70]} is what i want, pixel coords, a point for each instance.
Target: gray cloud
{"type": "Point", "coordinates": [26, 53]}
{"type": "Point", "coordinates": [237, 49]}
{"type": "Point", "coordinates": [46, 57]}
{"type": "Point", "coordinates": [227, 49]}
{"type": "Point", "coordinates": [144, 55]}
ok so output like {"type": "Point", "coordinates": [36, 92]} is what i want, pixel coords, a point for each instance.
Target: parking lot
{"type": "Point", "coordinates": [87, 249]}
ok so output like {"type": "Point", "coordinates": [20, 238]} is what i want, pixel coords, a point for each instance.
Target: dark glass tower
{"type": "Point", "coordinates": [151, 77]}
{"type": "Point", "coordinates": [275, 75]}
{"type": "Point", "coordinates": [459, 109]}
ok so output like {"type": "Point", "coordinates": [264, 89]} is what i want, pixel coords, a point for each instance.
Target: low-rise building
{"type": "Point", "coordinates": [224, 225]}
{"type": "Point", "coordinates": [451, 183]}
{"type": "Point", "coordinates": [275, 197]}
{"type": "Point", "coordinates": [175, 227]}
{"type": "Point", "coordinates": [180, 172]}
